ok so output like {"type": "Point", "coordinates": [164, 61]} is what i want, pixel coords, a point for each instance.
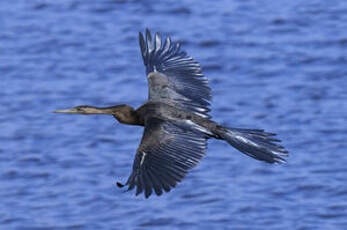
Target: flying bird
{"type": "Point", "coordinates": [176, 120]}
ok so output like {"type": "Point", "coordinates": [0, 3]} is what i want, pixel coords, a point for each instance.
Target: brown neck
{"type": "Point", "coordinates": [123, 113]}
{"type": "Point", "coordinates": [126, 115]}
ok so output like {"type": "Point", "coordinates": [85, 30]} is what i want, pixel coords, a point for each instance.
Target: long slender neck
{"type": "Point", "coordinates": [125, 114]}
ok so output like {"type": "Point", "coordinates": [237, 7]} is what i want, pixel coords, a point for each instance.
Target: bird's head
{"type": "Point", "coordinates": [123, 113]}
{"type": "Point", "coordinates": [83, 109]}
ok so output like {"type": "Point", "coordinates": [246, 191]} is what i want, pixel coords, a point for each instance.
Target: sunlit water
{"type": "Point", "coordinates": [277, 65]}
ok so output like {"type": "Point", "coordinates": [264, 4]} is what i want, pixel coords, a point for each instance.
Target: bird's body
{"type": "Point", "coordinates": [176, 120]}
{"type": "Point", "coordinates": [170, 113]}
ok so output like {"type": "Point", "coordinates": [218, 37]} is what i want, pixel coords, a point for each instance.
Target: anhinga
{"type": "Point", "coordinates": [176, 120]}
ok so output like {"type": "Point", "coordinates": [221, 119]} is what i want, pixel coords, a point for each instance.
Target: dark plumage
{"type": "Point", "coordinates": [176, 120]}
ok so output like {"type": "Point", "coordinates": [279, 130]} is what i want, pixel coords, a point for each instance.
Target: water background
{"type": "Point", "coordinates": [278, 65]}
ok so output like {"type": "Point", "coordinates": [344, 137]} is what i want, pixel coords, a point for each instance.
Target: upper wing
{"type": "Point", "coordinates": [166, 153]}
{"type": "Point", "coordinates": [174, 77]}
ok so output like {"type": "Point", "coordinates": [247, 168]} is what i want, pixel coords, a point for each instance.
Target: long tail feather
{"type": "Point", "coordinates": [255, 143]}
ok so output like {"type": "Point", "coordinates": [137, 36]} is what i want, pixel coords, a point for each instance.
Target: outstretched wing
{"type": "Point", "coordinates": [173, 76]}
{"type": "Point", "coordinates": [166, 153]}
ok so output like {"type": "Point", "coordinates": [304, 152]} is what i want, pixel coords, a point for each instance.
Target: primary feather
{"type": "Point", "coordinates": [186, 86]}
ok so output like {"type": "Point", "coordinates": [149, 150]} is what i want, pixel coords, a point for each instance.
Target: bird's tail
{"type": "Point", "coordinates": [255, 143]}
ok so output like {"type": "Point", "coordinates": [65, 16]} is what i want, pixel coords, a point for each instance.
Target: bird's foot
{"type": "Point", "coordinates": [120, 185]}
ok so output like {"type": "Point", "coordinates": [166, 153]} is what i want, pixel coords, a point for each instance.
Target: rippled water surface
{"type": "Point", "coordinates": [277, 65]}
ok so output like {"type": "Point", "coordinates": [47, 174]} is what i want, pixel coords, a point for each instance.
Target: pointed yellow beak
{"type": "Point", "coordinates": [66, 111]}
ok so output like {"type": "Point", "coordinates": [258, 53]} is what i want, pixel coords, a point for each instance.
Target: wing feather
{"type": "Point", "coordinates": [181, 74]}
{"type": "Point", "coordinates": [166, 153]}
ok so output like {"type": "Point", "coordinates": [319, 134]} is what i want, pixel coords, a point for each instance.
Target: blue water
{"type": "Point", "coordinates": [277, 65]}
